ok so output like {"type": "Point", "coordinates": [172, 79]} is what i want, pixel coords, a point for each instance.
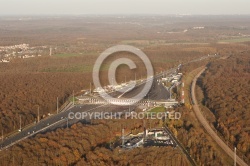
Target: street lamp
{"type": "Point", "coordinates": [20, 124]}
{"type": "Point", "coordinates": [2, 135]}
{"type": "Point", "coordinates": [38, 112]}
{"type": "Point", "coordinates": [73, 98]}
{"type": "Point", "coordinates": [57, 105]}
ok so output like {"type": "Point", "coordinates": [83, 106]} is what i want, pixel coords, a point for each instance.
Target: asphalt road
{"type": "Point", "coordinates": [157, 92]}
{"type": "Point", "coordinates": [61, 119]}
{"type": "Point", "coordinates": [206, 125]}
{"type": "Point", "coordinates": [42, 125]}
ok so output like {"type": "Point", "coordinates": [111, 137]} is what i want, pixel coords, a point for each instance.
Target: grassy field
{"type": "Point", "coordinates": [66, 55]}
{"type": "Point", "coordinates": [160, 42]}
{"type": "Point", "coordinates": [235, 40]}
{"type": "Point", "coordinates": [157, 109]}
{"type": "Point", "coordinates": [74, 68]}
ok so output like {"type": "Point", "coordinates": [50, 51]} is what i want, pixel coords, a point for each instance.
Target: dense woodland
{"type": "Point", "coordinates": [97, 144]}
{"type": "Point", "coordinates": [197, 142]}
{"type": "Point", "coordinates": [94, 144]}
{"type": "Point", "coordinates": [21, 94]}
{"type": "Point", "coordinates": [226, 86]}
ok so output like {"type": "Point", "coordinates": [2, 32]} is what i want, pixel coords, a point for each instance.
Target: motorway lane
{"type": "Point", "coordinates": [164, 94]}
{"type": "Point", "coordinates": [157, 92]}
{"type": "Point", "coordinates": [206, 125]}
{"type": "Point", "coordinates": [44, 123]}
{"type": "Point", "coordinates": [60, 120]}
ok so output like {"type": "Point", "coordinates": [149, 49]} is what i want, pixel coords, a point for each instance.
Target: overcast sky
{"type": "Point", "coordinates": [58, 7]}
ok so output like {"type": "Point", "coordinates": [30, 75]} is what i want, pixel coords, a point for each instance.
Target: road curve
{"type": "Point", "coordinates": [206, 125]}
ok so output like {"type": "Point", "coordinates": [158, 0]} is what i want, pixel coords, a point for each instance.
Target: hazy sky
{"type": "Point", "coordinates": [50, 7]}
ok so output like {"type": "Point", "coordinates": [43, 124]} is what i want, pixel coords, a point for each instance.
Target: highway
{"type": "Point", "coordinates": [61, 119]}
{"type": "Point", "coordinates": [157, 92]}
{"type": "Point", "coordinates": [206, 125]}
{"type": "Point", "coordinates": [40, 126]}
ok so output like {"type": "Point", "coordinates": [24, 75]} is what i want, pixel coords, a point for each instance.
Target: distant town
{"type": "Point", "coordinates": [7, 53]}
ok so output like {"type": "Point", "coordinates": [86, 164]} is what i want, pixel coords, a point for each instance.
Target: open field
{"type": "Point", "coordinates": [66, 55]}
{"type": "Point", "coordinates": [157, 110]}
{"type": "Point", "coordinates": [235, 40]}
